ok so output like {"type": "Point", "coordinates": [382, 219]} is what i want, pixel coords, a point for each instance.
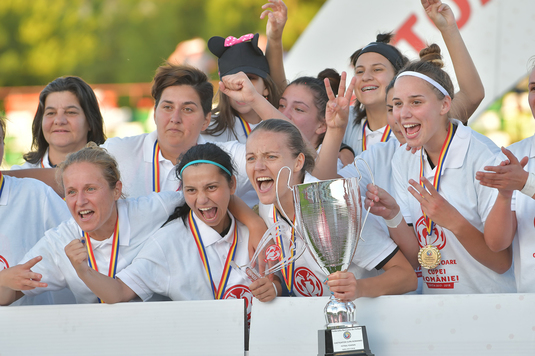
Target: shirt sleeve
{"type": "Point", "coordinates": [400, 185]}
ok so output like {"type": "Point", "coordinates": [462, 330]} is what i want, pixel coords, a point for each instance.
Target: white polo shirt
{"type": "Point", "coordinates": [170, 263]}
{"type": "Point", "coordinates": [524, 207]}
{"type": "Point", "coordinates": [370, 252]}
{"type": "Point", "coordinates": [28, 208]}
{"type": "Point", "coordinates": [458, 272]}
{"type": "Point", "coordinates": [135, 154]}
{"type": "Point", "coordinates": [353, 134]}
{"type": "Point", "coordinates": [27, 165]}
{"type": "Point", "coordinates": [138, 220]}
{"type": "Point", "coordinates": [227, 135]}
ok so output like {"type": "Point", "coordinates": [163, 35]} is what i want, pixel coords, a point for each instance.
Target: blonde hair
{"type": "Point", "coordinates": [3, 127]}
{"type": "Point", "coordinates": [99, 156]}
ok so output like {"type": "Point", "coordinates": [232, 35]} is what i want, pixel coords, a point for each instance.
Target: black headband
{"type": "Point", "coordinates": [385, 50]}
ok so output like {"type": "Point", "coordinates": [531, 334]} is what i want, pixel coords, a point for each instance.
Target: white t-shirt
{"type": "Point", "coordinates": [458, 272]}
{"type": "Point", "coordinates": [138, 220]}
{"type": "Point", "coordinates": [43, 163]}
{"type": "Point", "coordinates": [239, 134]}
{"type": "Point", "coordinates": [353, 134]}
{"type": "Point", "coordinates": [170, 263]}
{"type": "Point", "coordinates": [28, 208]}
{"type": "Point", "coordinates": [375, 247]}
{"type": "Point", "coordinates": [524, 206]}
{"type": "Point", "coordinates": [135, 155]}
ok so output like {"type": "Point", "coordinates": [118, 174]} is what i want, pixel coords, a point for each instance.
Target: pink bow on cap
{"type": "Point", "coordinates": [231, 41]}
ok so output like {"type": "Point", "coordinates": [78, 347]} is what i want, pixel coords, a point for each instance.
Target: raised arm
{"type": "Point", "coordinates": [336, 117]}
{"type": "Point", "coordinates": [471, 90]}
{"type": "Point", "coordinates": [108, 289]}
{"type": "Point", "coordinates": [277, 17]}
{"type": "Point", "coordinates": [239, 87]}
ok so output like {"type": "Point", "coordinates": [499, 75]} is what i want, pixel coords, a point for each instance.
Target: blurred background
{"type": "Point", "coordinates": [116, 46]}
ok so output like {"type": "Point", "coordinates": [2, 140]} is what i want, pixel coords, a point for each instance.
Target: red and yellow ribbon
{"type": "Point", "coordinates": [245, 126]}
{"type": "Point", "coordinates": [440, 166]}
{"type": "Point", "coordinates": [287, 272]}
{"type": "Point", "coordinates": [156, 168]}
{"type": "Point", "coordinates": [384, 138]}
{"type": "Point", "coordinates": [218, 292]}
{"type": "Point", "coordinates": [112, 270]}
{"type": "Point", "coordinates": [42, 163]}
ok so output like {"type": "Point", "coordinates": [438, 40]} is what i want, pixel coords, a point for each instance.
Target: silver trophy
{"type": "Point", "coordinates": [329, 218]}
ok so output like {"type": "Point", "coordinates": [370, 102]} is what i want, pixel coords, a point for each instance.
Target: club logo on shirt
{"type": "Point", "coordinates": [273, 253]}
{"type": "Point", "coordinates": [306, 283]}
{"type": "Point", "coordinates": [3, 263]}
{"type": "Point", "coordinates": [240, 291]}
{"type": "Point", "coordinates": [437, 239]}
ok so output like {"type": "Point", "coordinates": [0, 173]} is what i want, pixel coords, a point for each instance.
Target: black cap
{"type": "Point", "coordinates": [239, 55]}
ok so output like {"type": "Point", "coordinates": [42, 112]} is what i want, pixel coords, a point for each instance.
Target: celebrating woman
{"type": "Point", "coordinates": [275, 144]}
{"type": "Point", "coordinates": [110, 230]}
{"type": "Point", "coordinates": [445, 205]}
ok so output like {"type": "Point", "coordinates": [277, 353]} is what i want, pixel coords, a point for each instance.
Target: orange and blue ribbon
{"type": "Point", "coordinates": [384, 138]}
{"type": "Point", "coordinates": [156, 168]}
{"type": "Point", "coordinates": [287, 272]}
{"type": "Point", "coordinates": [439, 168]}
{"type": "Point", "coordinates": [112, 270]}
{"type": "Point", "coordinates": [220, 291]}
{"type": "Point", "coordinates": [245, 126]}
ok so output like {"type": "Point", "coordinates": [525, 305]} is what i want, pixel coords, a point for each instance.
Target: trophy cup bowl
{"type": "Point", "coordinates": [329, 219]}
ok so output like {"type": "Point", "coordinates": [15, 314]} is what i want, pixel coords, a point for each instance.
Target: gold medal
{"type": "Point", "coordinates": [429, 257]}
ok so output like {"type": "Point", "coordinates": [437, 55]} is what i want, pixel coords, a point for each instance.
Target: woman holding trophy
{"type": "Point", "coordinates": [445, 204]}
{"type": "Point", "coordinates": [277, 146]}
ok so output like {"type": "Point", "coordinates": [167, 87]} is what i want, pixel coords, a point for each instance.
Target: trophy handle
{"type": "Point", "coordinates": [279, 202]}
{"type": "Point", "coordinates": [373, 182]}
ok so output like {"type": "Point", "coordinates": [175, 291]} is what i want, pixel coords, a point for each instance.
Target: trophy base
{"type": "Point", "coordinates": [351, 341]}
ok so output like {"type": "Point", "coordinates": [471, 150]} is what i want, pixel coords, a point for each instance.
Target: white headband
{"type": "Point", "coordinates": [427, 79]}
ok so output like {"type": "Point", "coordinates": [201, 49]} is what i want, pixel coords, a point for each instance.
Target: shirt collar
{"type": "Point", "coordinates": [210, 236]}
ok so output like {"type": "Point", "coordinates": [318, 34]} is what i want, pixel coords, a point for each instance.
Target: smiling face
{"type": "Point", "coordinates": [297, 104]}
{"type": "Point", "coordinates": [373, 73]}
{"type": "Point", "coordinates": [64, 123]}
{"type": "Point", "coordinates": [421, 115]}
{"type": "Point", "coordinates": [179, 119]}
{"type": "Point", "coordinates": [90, 199]}
{"type": "Point", "coordinates": [267, 153]}
{"type": "Point", "coordinates": [207, 192]}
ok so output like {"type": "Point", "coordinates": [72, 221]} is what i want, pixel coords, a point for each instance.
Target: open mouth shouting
{"type": "Point", "coordinates": [209, 214]}
{"type": "Point", "coordinates": [86, 214]}
{"type": "Point", "coordinates": [264, 184]}
{"type": "Point", "coordinates": [411, 130]}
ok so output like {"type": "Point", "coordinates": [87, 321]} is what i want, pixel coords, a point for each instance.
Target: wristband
{"type": "Point", "coordinates": [276, 291]}
{"type": "Point", "coordinates": [393, 223]}
{"type": "Point", "coordinates": [529, 187]}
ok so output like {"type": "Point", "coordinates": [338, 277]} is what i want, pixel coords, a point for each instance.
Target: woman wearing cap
{"type": "Point", "coordinates": [232, 119]}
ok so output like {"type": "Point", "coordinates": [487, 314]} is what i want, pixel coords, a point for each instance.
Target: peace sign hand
{"type": "Point", "coordinates": [337, 109]}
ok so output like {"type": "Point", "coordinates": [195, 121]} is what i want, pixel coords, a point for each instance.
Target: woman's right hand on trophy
{"type": "Point", "coordinates": [343, 285]}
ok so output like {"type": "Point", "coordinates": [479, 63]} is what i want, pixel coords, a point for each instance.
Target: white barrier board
{"type": "Point", "coordinates": [154, 328]}
{"type": "Point", "coordinates": [488, 324]}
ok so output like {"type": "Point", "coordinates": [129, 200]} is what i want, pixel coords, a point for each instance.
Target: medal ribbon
{"type": "Point", "coordinates": [112, 270]}
{"type": "Point", "coordinates": [245, 126]}
{"type": "Point", "coordinates": [287, 272]}
{"type": "Point", "coordinates": [2, 183]}
{"type": "Point", "coordinates": [220, 291]}
{"type": "Point", "coordinates": [436, 182]}
{"type": "Point", "coordinates": [156, 168]}
{"type": "Point", "coordinates": [384, 138]}
{"type": "Point", "coordinates": [42, 164]}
